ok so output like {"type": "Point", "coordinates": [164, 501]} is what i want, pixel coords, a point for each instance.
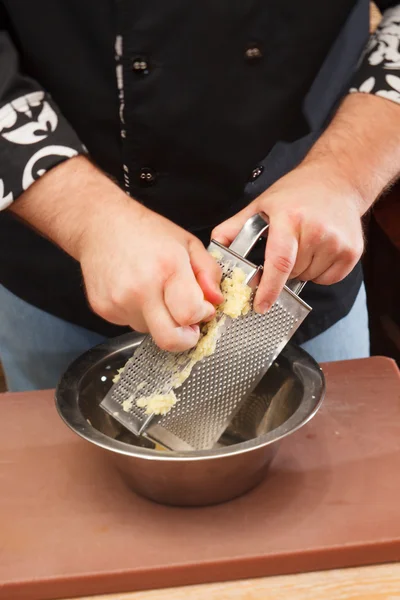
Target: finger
{"type": "Point", "coordinates": [321, 261]}
{"type": "Point", "coordinates": [184, 297]}
{"type": "Point", "coordinates": [304, 259]}
{"type": "Point", "coordinates": [341, 262]}
{"type": "Point", "coordinates": [166, 333]}
{"type": "Point", "coordinates": [207, 272]}
{"type": "Point", "coordinates": [280, 258]}
{"type": "Point", "coordinates": [303, 263]}
{"type": "Point", "coordinates": [312, 238]}
{"type": "Point", "coordinates": [226, 232]}
{"type": "Point", "coordinates": [334, 273]}
{"type": "Point", "coordinates": [137, 322]}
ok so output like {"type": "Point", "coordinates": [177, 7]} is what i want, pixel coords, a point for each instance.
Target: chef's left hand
{"type": "Point", "coordinates": [315, 230]}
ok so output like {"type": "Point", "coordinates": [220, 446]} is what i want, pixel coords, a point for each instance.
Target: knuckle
{"type": "Point", "coordinates": [332, 278]}
{"type": "Point", "coordinates": [334, 244]}
{"type": "Point", "coordinates": [189, 315]}
{"type": "Point", "coordinates": [213, 269]}
{"type": "Point", "coordinates": [350, 254]}
{"type": "Point", "coordinates": [296, 217]}
{"type": "Point", "coordinates": [359, 248]}
{"type": "Point", "coordinates": [129, 295]}
{"type": "Point", "coordinates": [117, 297]}
{"type": "Point", "coordinates": [269, 296]}
{"type": "Point", "coordinates": [333, 275]}
{"type": "Point", "coordinates": [273, 295]}
{"type": "Point", "coordinates": [283, 264]}
{"type": "Point", "coordinates": [102, 308]}
{"type": "Point", "coordinates": [140, 327]}
{"type": "Point", "coordinates": [215, 232]}
{"type": "Point", "coordinates": [322, 280]}
{"type": "Point", "coordinates": [167, 264]}
{"type": "Point", "coordinates": [165, 342]}
{"type": "Point", "coordinates": [318, 233]}
{"type": "Point", "coordinates": [195, 243]}
{"type": "Point", "coordinates": [170, 254]}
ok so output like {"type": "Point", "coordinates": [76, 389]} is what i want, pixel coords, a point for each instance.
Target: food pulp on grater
{"type": "Point", "coordinates": [237, 295]}
{"type": "Point", "coordinates": [159, 404]}
{"type": "Point", "coordinates": [237, 302]}
{"type": "Point", "coordinates": [217, 254]}
{"type": "Point", "coordinates": [117, 377]}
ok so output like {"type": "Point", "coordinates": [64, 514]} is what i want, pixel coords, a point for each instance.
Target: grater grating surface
{"type": "Point", "coordinates": [217, 385]}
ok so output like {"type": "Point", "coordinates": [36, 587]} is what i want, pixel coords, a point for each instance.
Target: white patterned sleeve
{"type": "Point", "coordinates": [34, 136]}
{"type": "Point", "coordinates": [379, 70]}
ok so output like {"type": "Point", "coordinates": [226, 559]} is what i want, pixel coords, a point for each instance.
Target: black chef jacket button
{"type": "Point", "coordinates": [255, 174]}
{"type": "Point", "coordinates": [140, 65]}
{"type": "Point", "coordinates": [147, 176]}
{"type": "Point", "coordinates": [253, 53]}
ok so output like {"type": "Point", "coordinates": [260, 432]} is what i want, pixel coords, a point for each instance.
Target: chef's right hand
{"type": "Point", "coordinates": [139, 269]}
{"type": "Point", "coordinates": [143, 271]}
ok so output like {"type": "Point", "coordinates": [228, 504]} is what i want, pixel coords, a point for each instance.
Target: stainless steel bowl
{"type": "Point", "coordinates": [287, 397]}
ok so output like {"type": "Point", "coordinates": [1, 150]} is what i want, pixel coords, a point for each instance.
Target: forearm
{"type": "Point", "coordinates": [362, 145]}
{"type": "Point", "coordinates": [62, 204]}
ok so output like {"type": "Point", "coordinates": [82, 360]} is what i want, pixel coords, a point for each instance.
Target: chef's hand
{"type": "Point", "coordinates": [139, 269]}
{"type": "Point", "coordinates": [143, 271]}
{"type": "Point", "coordinates": [315, 230]}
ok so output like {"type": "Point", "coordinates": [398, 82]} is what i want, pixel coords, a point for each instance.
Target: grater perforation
{"type": "Point", "coordinates": [218, 385]}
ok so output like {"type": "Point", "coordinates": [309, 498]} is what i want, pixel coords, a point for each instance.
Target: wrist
{"type": "Point", "coordinates": [66, 204]}
{"type": "Point", "coordinates": [112, 209]}
{"type": "Point", "coordinates": [102, 205]}
{"type": "Point", "coordinates": [361, 145]}
{"type": "Point", "coordinates": [336, 177]}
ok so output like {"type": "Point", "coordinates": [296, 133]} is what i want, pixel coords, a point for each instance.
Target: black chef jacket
{"type": "Point", "coordinates": [193, 107]}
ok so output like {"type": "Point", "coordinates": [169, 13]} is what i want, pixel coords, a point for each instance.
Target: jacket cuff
{"type": "Point", "coordinates": [379, 70]}
{"type": "Point", "coordinates": [34, 138]}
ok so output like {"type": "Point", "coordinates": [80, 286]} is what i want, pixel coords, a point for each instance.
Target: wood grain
{"type": "Point", "coordinates": [365, 583]}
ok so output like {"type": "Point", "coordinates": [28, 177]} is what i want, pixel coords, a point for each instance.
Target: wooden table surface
{"type": "Point", "coordinates": [360, 450]}
{"type": "Point", "coordinates": [363, 583]}
{"type": "Point", "coordinates": [375, 582]}
{"type": "Point", "coordinates": [380, 582]}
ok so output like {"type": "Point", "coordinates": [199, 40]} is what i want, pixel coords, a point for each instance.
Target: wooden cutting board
{"type": "Point", "coordinates": [69, 526]}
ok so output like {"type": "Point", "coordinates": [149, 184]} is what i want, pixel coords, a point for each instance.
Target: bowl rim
{"type": "Point", "coordinates": [67, 404]}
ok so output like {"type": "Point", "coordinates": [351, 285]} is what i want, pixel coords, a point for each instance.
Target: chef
{"type": "Point", "coordinates": [131, 131]}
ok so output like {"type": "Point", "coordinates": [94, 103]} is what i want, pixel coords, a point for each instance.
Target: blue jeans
{"type": "Point", "coordinates": [36, 347]}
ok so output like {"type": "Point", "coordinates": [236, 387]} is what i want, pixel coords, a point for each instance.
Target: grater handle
{"type": "Point", "coordinates": [248, 236]}
{"type": "Point", "coordinates": [295, 285]}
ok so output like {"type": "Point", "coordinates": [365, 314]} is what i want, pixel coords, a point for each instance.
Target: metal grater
{"type": "Point", "coordinates": [220, 383]}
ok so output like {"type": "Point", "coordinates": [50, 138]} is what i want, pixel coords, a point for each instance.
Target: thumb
{"type": "Point", "coordinates": [226, 232]}
{"type": "Point", "coordinates": [207, 272]}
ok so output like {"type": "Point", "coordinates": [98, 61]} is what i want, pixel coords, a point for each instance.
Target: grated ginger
{"type": "Point", "coordinates": [207, 343]}
{"type": "Point", "coordinates": [217, 254]}
{"type": "Point", "coordinates": [117, 377]}
{"type": "Point", "coordinates": [159, 404]}
{"type": "Point", "coordinates": [205, 347]}
{"type": "Point", "coordinates": [237, 294]}
{"type": "Point", "coordinates": [237, 302]}
{"type": "Point", "coordinates": [127, 404]}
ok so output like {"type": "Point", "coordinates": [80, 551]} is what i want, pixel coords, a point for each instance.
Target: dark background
{"type": "Point", "coordinates": [381, 268]}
